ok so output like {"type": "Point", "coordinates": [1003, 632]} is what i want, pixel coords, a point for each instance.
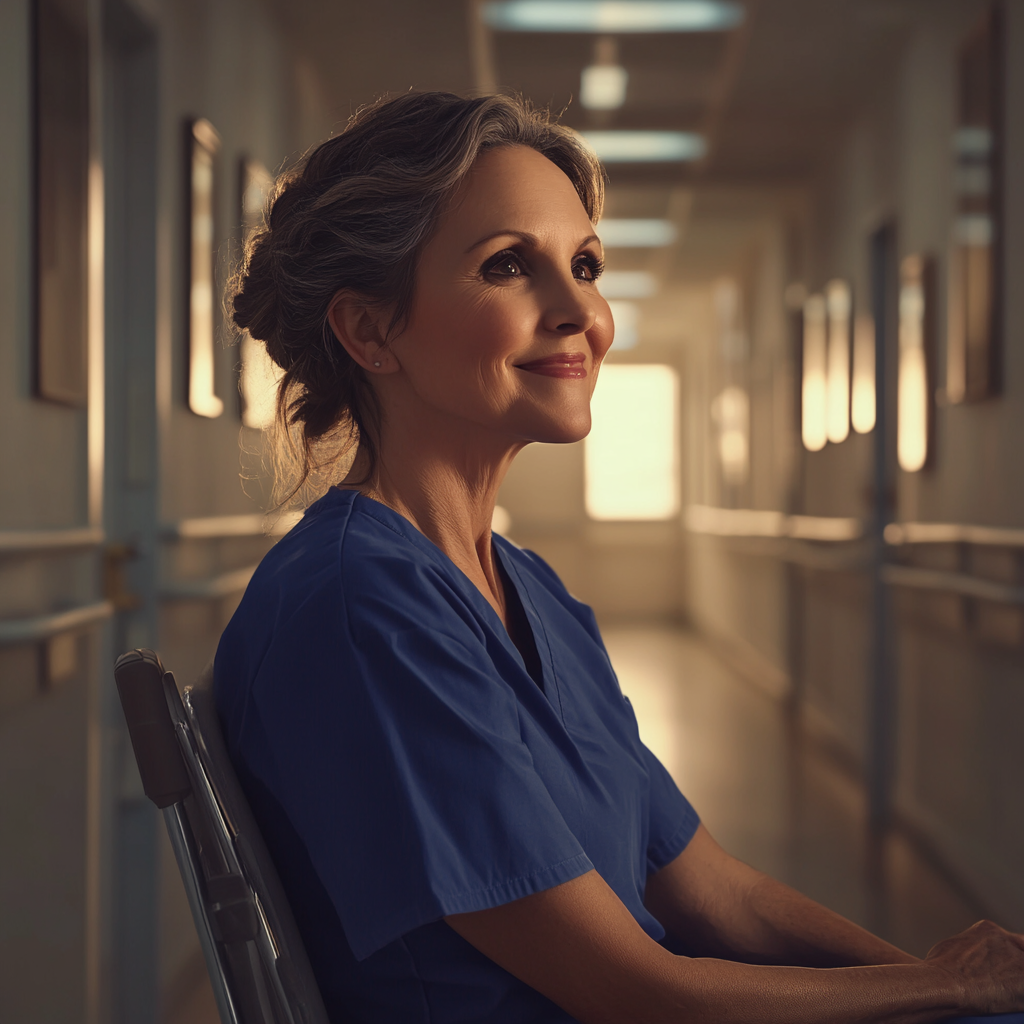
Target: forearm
{"type": "Point", "coordinates": [722, 992]}
{"type": "Point", "coordinates": [777, 925]}
{"type": "Point", "coordinates": [715, 905]}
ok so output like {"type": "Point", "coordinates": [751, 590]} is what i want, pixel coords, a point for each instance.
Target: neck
{"type": "Point", "coordinates": [445, 482]}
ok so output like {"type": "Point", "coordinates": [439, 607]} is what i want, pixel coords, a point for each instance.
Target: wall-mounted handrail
{"type": "Point", "coordinates": [212, 588]}
{"type": "Point", "coordinates": [25, 542]}
{"type": "Point", "coordinates": [250, 524]}
{"type": "Point", "coordinates": [952, 583]}
{"type": "Point", "coordinates": [41, 627]}
{"type": "Point", "coordinates": [953, 533]}
{"type": "Point", "coordinates": [748, 522]}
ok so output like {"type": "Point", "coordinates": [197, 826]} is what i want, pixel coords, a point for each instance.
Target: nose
{"type": "Point", "coordinates": [570, 309]}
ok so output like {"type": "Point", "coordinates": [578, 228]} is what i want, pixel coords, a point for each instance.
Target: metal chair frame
{"type": "Point", "coordinates": [258, 967]}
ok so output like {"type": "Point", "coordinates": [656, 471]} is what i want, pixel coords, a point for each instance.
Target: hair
{"type": "Point", "coordinates": [355, 213]}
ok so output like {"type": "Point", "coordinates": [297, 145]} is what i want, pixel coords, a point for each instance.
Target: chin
{"type": "Point", "coordinates": [563, 431]}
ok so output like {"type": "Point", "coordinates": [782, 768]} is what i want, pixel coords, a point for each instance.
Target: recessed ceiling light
{"type": "Point", "coordinates": [617, 147]}
{"type": "Point", "coordinates": [613, 15]}
{"type": "Point", "coordinates": [603, 86]}
{"type": "Point", "coordinates": [638, 233]}
{"type": "Point", "coordinates": [627, 284]}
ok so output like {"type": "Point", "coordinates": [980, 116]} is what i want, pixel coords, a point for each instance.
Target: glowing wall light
{"type": "Point", "coordinates": [814, 396]}
{"type": "Point", "coordinates": [612, 15]}
{"type": "Point", "coordinates": [626, 317]}
{"type": "Point", "coordinates": [837, 387]}
{"type": "Point", "coordinates": [636, 233]}
{"type": "Point", "coordinates": [730, 411]}
{"type": "Point", "coordinates": [622, 147]}
{"type": "Point", "coordinates": [202, 397]}
{"type": "Point", "coordinates": [603, 86]}
{"type": "Point", "coordinates": [913, 413]}
{"type": "Point", "coordinates": [862, 408]}
{"type": "Point", "coordinates": [632, 453]}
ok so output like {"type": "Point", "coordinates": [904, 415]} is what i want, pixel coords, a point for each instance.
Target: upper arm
{"type": "Point", "coordinates": [578, 945]}
{"type": "Point", "coordinates": [698, 894]}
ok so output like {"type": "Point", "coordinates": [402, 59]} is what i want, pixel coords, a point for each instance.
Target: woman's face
{"type": "Point", "coordinates": [507, 329]}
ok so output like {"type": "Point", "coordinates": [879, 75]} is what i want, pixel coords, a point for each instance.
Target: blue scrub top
{"type": "Point", "coordinates": [403, 765]}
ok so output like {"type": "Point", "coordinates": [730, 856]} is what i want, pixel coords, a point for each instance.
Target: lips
{"type": "Point", "coordinates": [564, 365]}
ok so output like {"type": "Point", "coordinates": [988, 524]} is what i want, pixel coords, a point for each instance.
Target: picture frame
{"type": "Point", "coordinates": [61, 126]}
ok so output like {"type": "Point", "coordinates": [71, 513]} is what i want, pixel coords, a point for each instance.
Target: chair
{"type": "Point", "coordinates": [257, 963]}
{"type": "Point", "coordinates": [258, 966]}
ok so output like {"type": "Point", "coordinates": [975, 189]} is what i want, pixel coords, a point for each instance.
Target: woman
{"type": "Point", "coordinates": [435, 745]}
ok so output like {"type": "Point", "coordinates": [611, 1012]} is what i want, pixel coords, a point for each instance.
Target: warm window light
{"type": "Point", "coordinates": [912, 391]}
{"type": "Point", "coordinates": [260, 377]}
{"type": "Point", "coordinates": [862, 409]}
{"type": "Point", "coordinates": [626, 317]}
{"type": "Point", "coordinates": [636, 233]}
{"type": "Point", "coordinates": [814, 402]}
{"type": "Point", "coordinates": [603, 86]}
{"type": "Point", "coordinates": [622, 147]}
{"type": "Point", "coordinates": [632, 452]}
{"type": "Point", "coordinates": [613, 15]}
{"type": "Point", "coordinates": [627, 284]}
{"type": "Point", "coordinates": [837, 385]}
{"type": "Point", "coordinates": [731, 412]}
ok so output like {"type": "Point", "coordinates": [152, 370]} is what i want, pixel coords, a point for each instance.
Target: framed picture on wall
{"type": "Point", "coordinates": [203, 144]}
{"type": "Point", "coordinates": [973, 353]}
{"type": "Point", "coordinates": [61, 128]}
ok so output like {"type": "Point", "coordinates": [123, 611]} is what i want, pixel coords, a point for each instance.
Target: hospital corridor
{"type": "Point", "coordinates": [798, 515]}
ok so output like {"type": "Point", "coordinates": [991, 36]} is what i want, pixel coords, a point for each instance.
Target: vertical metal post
{"type": "Point", "coordinates": [129, 157]}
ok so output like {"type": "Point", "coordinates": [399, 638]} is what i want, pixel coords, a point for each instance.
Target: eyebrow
{"type": "Point", "coordinates": [523, 236]}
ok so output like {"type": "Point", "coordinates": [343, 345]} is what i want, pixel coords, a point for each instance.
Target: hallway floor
{"type": "Point", "coordinates": [771, 798]}
{"type": "Point", "coordinates": [767, 797]}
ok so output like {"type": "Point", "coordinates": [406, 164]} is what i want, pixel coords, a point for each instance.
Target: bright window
{"type": "Point", "coordinates": [632, 453]}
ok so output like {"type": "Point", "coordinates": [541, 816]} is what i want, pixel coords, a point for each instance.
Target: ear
{"type": "Point", "coordinates": [360, 327]}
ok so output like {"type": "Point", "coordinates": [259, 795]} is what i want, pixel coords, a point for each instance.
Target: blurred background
{"type": "Point", "coordinates": [799, 517]}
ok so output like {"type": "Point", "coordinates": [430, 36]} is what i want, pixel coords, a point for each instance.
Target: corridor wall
{"type": "Point", "coordinates": [949, 693]}
{"type": "Point", "coordinates": [99, 548]}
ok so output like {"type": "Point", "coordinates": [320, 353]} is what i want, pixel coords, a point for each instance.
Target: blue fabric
{"type": "Point", "coordinates": [999, 1018]}
{"type": "Point", "coordinates": [403, 764]}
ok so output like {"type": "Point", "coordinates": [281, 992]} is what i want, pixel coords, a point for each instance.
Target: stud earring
{"type": "Point", "coordinates": [376, 364]}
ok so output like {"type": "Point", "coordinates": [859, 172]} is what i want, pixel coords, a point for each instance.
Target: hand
{"type": "Point", "coordinates": [988, 963]}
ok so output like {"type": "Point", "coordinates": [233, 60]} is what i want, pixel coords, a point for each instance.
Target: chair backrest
{"type": "Point", "coordinates": [258, 965]}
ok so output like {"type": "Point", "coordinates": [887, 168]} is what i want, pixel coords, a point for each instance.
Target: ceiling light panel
{"type": "Point", "coordinates": [612, 15]}
{"type": "Point", "coordinates": [617, 147]}
{"type": "Point", "coordinates": [636, 233]}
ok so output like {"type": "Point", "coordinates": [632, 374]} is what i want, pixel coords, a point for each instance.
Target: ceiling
{"type": "Point", "coordinates": [772, 96]}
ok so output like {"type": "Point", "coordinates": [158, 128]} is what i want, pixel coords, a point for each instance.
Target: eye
{"type": "Point", "coordinates": [587, 267]}
{"type": "Point", "coordinates": [505, 264]}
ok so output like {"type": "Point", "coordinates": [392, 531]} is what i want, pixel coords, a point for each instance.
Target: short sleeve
{"type": "Point", "coordinates": [396, 747]}
{"type": "Point", "coordinates": [672, 820]}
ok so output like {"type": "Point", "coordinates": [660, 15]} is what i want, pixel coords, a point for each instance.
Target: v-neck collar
{"type": "Point", "coordinates": [388, 517]}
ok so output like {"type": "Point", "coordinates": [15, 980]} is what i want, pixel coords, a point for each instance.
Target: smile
{"type": "Point", "coordinates": [566, 366]}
